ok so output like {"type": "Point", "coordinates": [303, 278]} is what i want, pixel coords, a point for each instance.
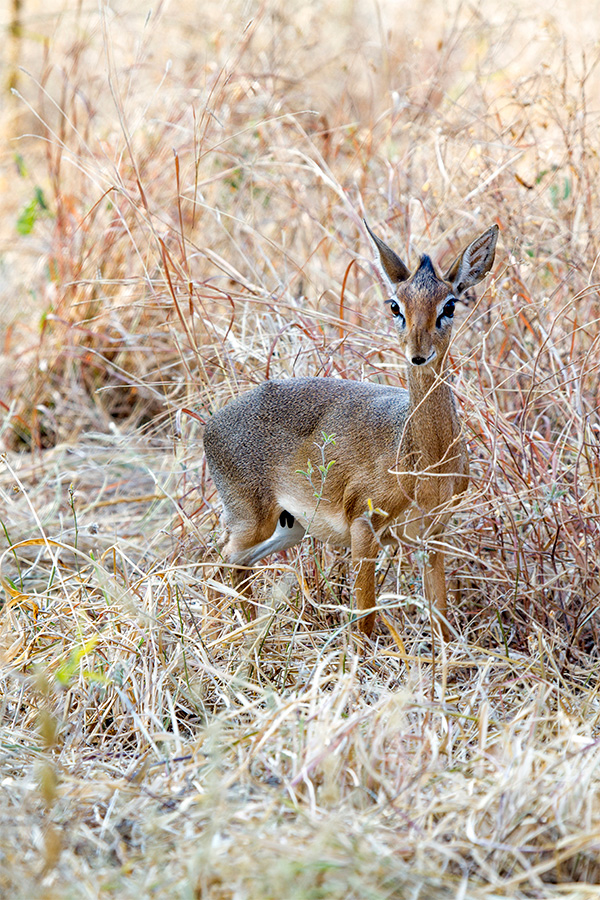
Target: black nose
{"type": "Point", "coordinates": [418, 360]}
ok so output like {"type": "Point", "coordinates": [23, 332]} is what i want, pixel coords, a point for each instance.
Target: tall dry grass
{"type": "Point", "coordinates": [184, 221]}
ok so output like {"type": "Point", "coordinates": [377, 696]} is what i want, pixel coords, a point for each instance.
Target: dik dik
{"type": "Point", "coordinates": [398, 461]}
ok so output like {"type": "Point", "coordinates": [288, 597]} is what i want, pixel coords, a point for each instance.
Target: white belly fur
{"type": "Point", "coordinates": [318, 518]}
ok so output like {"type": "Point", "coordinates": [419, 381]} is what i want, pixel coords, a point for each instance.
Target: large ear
{"type": "Point", "coordinates": [474, 262]}
{"type": "Point", "coordinates": [392, 265]}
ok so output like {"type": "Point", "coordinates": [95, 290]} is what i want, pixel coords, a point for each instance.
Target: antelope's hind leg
{"type": "Point", "coordinates": [252, 538]}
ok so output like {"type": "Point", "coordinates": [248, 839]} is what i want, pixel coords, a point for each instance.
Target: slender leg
{"type": "Point", "coordinates": [252, 539]}
{"type": "Point", "coordinates": [364, 553]}
{"type": "Point", "coordinates": [243, 536]}
{"type": "Point", "coordinates": [241, 580]}
{"type": "Point", "coordinates": [434, 583]}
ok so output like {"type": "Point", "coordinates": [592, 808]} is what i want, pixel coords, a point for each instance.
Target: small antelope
{"type": "Point", "coordinates": [392, 458]}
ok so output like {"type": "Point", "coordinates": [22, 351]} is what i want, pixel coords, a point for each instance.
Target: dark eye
{"type": "Point", "coordinates": [396, 311]}
{"type": "Point", "coordinates": [446, 313]}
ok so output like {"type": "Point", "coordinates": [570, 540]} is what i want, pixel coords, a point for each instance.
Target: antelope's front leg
{"type": "Point", "coordinates": [364, 554]}
{"type": "Point", "coordinates": [434, 584]}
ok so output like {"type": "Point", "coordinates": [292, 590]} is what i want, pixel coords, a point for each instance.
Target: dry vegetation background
{"type": "Point", "coordinates": [182, 193]}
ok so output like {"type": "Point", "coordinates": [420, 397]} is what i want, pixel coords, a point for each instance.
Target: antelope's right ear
{"type": "Point", "coordinates": [474, 262]}
{"type": "Point", "coordinates": [392, 265]}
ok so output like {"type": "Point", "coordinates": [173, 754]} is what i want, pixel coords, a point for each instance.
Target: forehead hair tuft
{"type": "Point", "coordinates": [425, 274]}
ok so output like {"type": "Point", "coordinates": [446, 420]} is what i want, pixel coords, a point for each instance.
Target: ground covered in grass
{"type": "Point", "coordinates": [183, 192]}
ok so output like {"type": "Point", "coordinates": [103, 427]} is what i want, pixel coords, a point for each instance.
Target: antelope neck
{"type": "Point", "coordinates": [428, 384]}
{"type": "Point", "coordinates": [433, 421]}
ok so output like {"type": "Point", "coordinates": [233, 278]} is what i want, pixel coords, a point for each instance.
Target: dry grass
{"type": "Point", "coordinates": [184, 220]}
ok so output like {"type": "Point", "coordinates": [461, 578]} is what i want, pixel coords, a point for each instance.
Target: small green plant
{"type": "Point", "coordinates": [69, 667]}
{"type": "Point", "coordinates": [323, 468]}
{"type": "Point", "coordinates": [31, 212]}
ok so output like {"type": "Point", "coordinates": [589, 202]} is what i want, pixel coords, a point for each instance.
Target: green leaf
{"type": "Point", "coordinates": [41, 200]}
{"type": "Point", "coordinates": [27, 218]}
{"type": "Point", "coordinates": [29, 214]}
{"type": "Point", "coordinates": [20, 163]}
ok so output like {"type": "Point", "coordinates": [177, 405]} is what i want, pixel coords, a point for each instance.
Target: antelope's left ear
{"type": "Point", "coordinates": [474, 262]}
